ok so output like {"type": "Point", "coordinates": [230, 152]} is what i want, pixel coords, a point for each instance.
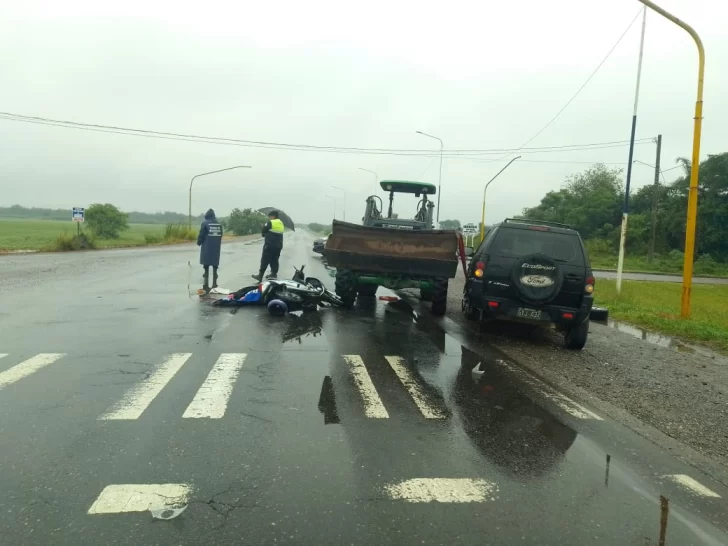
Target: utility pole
{"type": "Point", "coordinates": [625, 208]}
{"type": "Point", "coordinates": [655, 191]}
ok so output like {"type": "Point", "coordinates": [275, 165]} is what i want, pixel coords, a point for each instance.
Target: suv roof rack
{"type": "Point", "coordinates": [535, 222]}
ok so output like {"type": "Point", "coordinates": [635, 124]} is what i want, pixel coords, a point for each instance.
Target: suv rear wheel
{"type": "Point", "coordinates": [575, 337]}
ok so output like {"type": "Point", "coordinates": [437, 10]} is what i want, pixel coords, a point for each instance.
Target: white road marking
{"type": "Point", "coordinates": [27, 367]}
{"type": "Point", "coordinates": [449, 490]}
{"type": "Point", "coordinates": [140, 497]}
{"type": "Point", "coordinates": [3, 355]}
{"type": "Point", "coordinates": [137, 399]}
{"type": "Point", "coordinates": [564, 402]}
{"type": "Point", "coordinates": [413, 387]}
{"type": "Point", "coordinates": [695, 486]}
{"type": "Point", "coordinates": [212, 399]}
{"type": "Point", "coordinates": [373, 406]}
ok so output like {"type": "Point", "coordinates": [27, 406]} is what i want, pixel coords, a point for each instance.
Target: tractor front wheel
{"type": "Point", "coordinates": [345, 287]}
{"type": "Point", "coordinates": [367, 290]}
{"type": "Point", "coordinates": [439, 297]}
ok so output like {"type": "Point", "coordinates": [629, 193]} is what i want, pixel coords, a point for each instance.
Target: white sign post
{"type": "Point", "coordinates": [77, 215]}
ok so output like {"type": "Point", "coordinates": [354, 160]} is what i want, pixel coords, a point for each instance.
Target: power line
{"type": "Point", "coordinates": [288, 146]}
{"type": "Point", "coordinates": [571, 162]}
{"type": "Point", "coordinates": [594, 72]}
{"type": "Point", "coordinates": [478, 160]}
{"type": "Point", "coordinates": [578, 91]}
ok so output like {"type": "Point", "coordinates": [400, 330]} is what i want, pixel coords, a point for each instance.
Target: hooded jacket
{"type": "Point", "coordinates": [209, 240]}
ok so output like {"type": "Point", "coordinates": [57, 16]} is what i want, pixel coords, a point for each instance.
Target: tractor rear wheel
{"type": "Point", "coordinates": [439, 297]}
{"type": "Point", "coordinates": [345, 287]}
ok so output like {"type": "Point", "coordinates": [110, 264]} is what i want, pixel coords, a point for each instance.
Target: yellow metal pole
{"type": "Point", "coordinates": [695, 164]}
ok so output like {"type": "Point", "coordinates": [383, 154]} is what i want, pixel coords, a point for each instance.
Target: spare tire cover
{"type": "Point", "coordinates": [537, 278]}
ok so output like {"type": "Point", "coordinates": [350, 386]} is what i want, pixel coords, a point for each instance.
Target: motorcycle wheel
{"type": "Point", "coordinates": [277, 308]}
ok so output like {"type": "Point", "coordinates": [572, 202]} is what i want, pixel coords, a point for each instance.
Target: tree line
{"type": "Point", "coordinates": [591, 202]}
{"type": "Point", "coordinates": [134, 217]}
{"type": "Point", "coordinates": [107, 221]}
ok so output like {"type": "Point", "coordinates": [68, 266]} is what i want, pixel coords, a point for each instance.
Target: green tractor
{"type": "Point", "coordinates": [393, 252]}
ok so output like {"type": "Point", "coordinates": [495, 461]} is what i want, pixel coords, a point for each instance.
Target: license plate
{"type": "Point", "coordinates": [523, 312]}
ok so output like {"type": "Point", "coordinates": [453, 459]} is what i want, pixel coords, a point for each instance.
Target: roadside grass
{"type": "Point", "coordinates": [665, 264]}
{"type": "Point", "coordinates": [179, 232]}
{"type": "Point", "coordinates": [656, 306]}
{"type": "Point", "coordinates": [20, 234]}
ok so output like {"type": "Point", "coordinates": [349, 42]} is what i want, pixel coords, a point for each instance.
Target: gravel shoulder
{"type": "Point", "coordinates": [683, 394]}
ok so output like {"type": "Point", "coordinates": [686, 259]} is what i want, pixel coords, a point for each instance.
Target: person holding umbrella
{"type": "Point", "coordinates": [273, 233]}
{"type": "Point", "coordinates": [209, 240]}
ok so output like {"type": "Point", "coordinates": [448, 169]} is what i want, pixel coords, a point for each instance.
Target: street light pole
{"type": "Point", "coordinates": [344, 192]}
{"type": "Point", "coordinates": [485, 189]}
{"type": "Point", "coordinates": [439, 179]}
{"type": "Point", "coordinates": [189, 210]}
{"type": "Point", "coordinates": [333, 203]}
{"type": "Point", "coordinates": [687, 283]}
{"type": "Point", "coordinates": [376, 177]}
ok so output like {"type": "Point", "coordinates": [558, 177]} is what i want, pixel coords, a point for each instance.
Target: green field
{"type": "Point", "coordinates": [656, 306]}
{"type": "Point", "coordinates": [17, 234]}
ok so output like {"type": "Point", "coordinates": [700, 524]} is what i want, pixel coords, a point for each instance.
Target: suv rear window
{"type": "Point", "coordinates": [514, 243]}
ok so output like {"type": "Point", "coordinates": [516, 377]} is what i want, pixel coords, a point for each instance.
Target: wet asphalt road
{"type": "Point", "coordinates": [341, 427]}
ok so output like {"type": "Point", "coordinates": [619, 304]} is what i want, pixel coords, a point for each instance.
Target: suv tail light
{"type": "Point", "coordinates": [479, 269]}
{"type": "Point", "coordinates": [589, 287]}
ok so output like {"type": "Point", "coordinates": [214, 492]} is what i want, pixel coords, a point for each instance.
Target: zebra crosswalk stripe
{"type": "Point", "coordinates": [213, 396]}
{"type": "Point", "coordinates": [373, 406]}
{"type": "Point", "coordinates": [413, 387]}
{"type": "Point", "coordinates": [138, 398]}
{"type": "Point", "coordinates": [27, 367]}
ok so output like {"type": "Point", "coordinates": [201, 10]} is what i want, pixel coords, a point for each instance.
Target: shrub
{"type": "Point", "coordinates": [152, 238]}
{"type": "Point", "coordinates": [706, 265]}
{"type": "Point", "coordinates": [179, 232]}
{"type": "Point", "coordinates": [106, 221]}
{"type": "Point", "coordinates": [676, 255]}
{"type": "Point", "coordinates": [598, 247]}
{"type": "Point", "coordinates": [67, 242]}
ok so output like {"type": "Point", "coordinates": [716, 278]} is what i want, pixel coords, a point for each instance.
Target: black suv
{"type": "Point", "coordinates": [533, 272]}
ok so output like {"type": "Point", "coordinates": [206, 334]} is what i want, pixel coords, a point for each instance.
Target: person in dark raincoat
{"type": "Point", "coordinates": [273, 232]}
{"type": "Point", "coordinates": [209, 240]}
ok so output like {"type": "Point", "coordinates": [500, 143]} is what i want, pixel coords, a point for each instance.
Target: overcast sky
{"type": "Point", "coordinates": [477, 74]}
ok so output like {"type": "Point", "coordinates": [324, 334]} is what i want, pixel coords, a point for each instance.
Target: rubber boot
{"type": "Point", "coordinates": [205, 284]}
{"type": "Point", "coordinates": [214, 278]}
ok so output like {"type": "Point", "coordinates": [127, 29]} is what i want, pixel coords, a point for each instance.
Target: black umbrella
{"type": "Point", "coordinates": [287, 222]}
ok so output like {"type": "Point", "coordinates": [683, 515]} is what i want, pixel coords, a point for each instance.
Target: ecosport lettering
{"type": "Point", "coordinates": [538, 266]}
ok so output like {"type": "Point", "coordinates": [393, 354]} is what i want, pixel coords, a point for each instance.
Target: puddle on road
{"type": "Point", "coordinates": [300, 327]}
{"type": "Point", "coordinates": [645, 335]}
{"type": "Point", "coordinates": [660, 340]}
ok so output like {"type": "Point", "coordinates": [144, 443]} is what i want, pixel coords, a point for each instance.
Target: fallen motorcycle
{"type": "Point", "coordinates": [300, 293]}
